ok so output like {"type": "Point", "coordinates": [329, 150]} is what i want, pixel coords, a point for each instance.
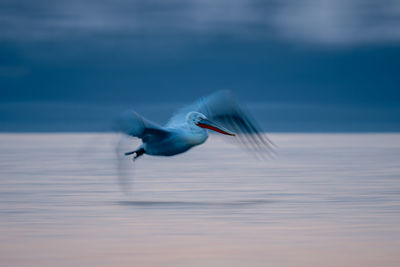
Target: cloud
{"type": "Point", "coordinates": [340, 21]}
{"type": "Point", "coordinates": [309, 21]}
{"type": "Point", "coordinates": [13, 71]}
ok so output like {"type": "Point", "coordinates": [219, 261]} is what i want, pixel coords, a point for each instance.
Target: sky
{"type": "Point", "coordinates": [313, 66]}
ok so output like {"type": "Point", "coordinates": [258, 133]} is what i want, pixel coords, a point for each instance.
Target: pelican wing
{"type": "Point", "coordinates": [133, 124]}
{"type": "Point", "coordinates": [222, 108]}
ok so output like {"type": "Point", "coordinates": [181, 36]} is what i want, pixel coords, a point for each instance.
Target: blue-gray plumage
{"type": "Point", "coordinates": [187, 128]}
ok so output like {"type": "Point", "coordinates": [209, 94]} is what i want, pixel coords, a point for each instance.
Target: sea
{"type": "Point", "coordinates": [322, 200]}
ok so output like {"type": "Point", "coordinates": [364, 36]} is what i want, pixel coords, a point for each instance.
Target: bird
{"type": "Point", "coordinates": [189, 127]}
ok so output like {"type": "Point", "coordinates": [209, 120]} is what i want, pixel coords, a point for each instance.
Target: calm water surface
{"type": "Point", "coordinates": [326, 200]}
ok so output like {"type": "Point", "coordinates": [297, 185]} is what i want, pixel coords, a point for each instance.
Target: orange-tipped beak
{"type": "Point", "coordinates": [207, 124]}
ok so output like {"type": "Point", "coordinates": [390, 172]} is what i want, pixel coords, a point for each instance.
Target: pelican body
{"type": "Point", "coordinates": [172, 140]}
{"type": "Point", "coordinates": [188, 127]}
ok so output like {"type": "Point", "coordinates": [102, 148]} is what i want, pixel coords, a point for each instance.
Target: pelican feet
{"type": "Point", "coordinates": [137, 153]}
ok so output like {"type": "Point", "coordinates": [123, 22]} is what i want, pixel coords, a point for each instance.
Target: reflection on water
{"type": "Point", "coordinates": [188, 204]}
{"type": "Point", "coordinates": [327, 200]}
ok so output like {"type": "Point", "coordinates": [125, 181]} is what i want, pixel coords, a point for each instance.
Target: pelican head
{"type": "Point", "coordinates": [198, 119]}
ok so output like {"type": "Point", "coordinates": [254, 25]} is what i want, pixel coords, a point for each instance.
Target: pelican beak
{"type": "Point", "coordinates": [206, 123]}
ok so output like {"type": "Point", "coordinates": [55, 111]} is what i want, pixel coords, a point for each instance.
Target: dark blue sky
{"type": "Point", "coordinates": [315, 66]}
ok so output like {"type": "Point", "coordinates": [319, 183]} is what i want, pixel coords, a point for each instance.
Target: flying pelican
{"type": "Point", "coordinates": [188, 128]}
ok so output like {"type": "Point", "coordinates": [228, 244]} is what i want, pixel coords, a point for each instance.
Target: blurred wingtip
{"type": "Point", "coordinates": [125, 166]}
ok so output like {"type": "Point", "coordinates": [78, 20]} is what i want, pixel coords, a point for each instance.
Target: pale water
{"type": "Point", "coordinates": [326, 200]}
